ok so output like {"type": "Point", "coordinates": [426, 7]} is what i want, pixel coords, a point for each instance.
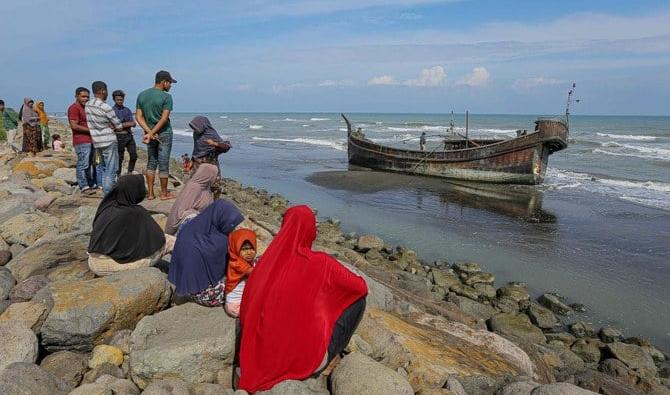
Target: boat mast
{"type": "Point", "coordinates": [451, 124]}
{"type": "Point", "coordinates": [567, 106]}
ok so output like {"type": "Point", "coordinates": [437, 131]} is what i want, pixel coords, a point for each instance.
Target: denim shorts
{"type": "Point", "coordinates": [158, 152]}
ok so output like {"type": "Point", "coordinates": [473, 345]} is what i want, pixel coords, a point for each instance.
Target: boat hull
{"type": "Point", "coordinates": [522, 160]}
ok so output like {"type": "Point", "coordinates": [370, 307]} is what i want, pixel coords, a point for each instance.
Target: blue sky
{"type": "Point", "coordinates": [492, 56]}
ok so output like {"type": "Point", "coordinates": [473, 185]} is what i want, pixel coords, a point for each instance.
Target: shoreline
{"type": "Point", "coordinates": [463, 293]}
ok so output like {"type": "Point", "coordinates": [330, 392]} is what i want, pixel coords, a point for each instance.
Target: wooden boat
{"type": "Point", "coordinates": [520, 160]}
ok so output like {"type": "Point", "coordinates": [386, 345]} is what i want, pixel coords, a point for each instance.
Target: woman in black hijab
{"type": "Point", "coordinates": [124, 234]}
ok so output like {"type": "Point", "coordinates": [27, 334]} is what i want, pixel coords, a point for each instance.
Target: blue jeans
{"type": "Point", "coordinates": [85, 165]}
{"type": "Point", "coordinates": [109, 156]}
{"type": "Point", "coordinates": [98, 168]}
{"type": "Point", "coordinates": [159, 154]}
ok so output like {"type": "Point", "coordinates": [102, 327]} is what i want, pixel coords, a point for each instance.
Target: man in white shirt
{"type": "Point", "coordinates": [102, 123]}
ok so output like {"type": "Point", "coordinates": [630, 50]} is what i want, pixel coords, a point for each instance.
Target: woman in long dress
{"type": "Point", "coordinates": [32, 136]}
{"type": "Point", "coordinates": [44, 124]}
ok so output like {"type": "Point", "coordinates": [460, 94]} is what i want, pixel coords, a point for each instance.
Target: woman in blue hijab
{"type": "Point", "coordinates": [199, 257]}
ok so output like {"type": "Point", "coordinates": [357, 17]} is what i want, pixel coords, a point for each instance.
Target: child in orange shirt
{"type": "Point", "coordinates": [242, 252]}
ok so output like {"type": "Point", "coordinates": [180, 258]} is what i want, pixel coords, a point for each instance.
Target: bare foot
{"type": "Point", "coordinates": [167, 196]}
{"type": "Point", "coordinates": [151, 197]}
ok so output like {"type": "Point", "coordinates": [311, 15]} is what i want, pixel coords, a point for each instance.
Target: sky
{"type": "Point", "coordinates": [423, 56]}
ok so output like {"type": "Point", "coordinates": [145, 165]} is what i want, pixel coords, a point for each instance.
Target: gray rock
{"type": "Point", "coordinates": [610, 335]}
{"type": "Point", "coordinates": [121, 340]}
{"type": "Point", "coordinates": [26, 228]}
{"type": "Point", "coordinates": [603, 384]}
{"type": "Point", "coordinates": [92, 389]}
{"type": "Point", "coordinates": [17, 344]}
{"type": "Point", "coordinates": [101, 370]}
{"type": "Point", "coordinates": [518, 388]}
{"type": "Point", "coordinates": [16, 249]}
{"type": "Point", "coordinates": [84, 220]}
{"type": "Point", "coordinates": [560, 389]}
{"type": "Point", "coordinates": [480, 310]}
{"type": "Point", "coordinates": [359, 374]}
{"type": "Point", "coordinates": [633, 356]}
{"type": "Point", "coordinates": [582, 329]}
{"type": "Point", "coordinates": [516, 326]}
{"type": "Point", "coordinates": [22, 378]}
{"type": "Point", "coordinates": [563, 337]}
{"type": "Point", "coordinates": [358, 344]}
{"type": "Point", "coordinates": [542, 317]}
{"type": "Point", "coordinates": [44, 202]}
{"type": "Point", "coordinates": [3, 305]}
{"type": "Point", "coordinates": [464, 290]}
{"type": "Point", "coordinates": [179, 342]}
{"type": "Point", "coordinates": [68, 175]}
{"type": "Point", "coordinates": [68, 366]}
{"type": "Point", "coordinates": [3, 245]}
{"type": "Point", "coordinates": [514, 291]}
{"type": "Point", "coordinates": [571, 363]}
{"type": "Point", "coordinates": [553, 303]}
{"type": "Point", "coordinates": [506, 305]}
{"type": "Point", "coordinates": [486, 291]}
{"type": "Point", "coordinates": [615, 368]}
{"type": "Point", "coordinates": [7, 282]}
{"type": "Point", "coordinates": [211, 389]}
{"type": "Point", "coordinates": [295, 387]}
{"type": "Point", "coordinates": [48, 253]}
{"type": "Point", "coordinates": [117, 385]}
{"type": "Point", "coordinates": [587, 349]}
{"type": "Point", "coordinates": [169, 386]}
{"type": "Point", "coordinates": [455, 386]}
{"type": "Point", "coordinates": [88, 313]}
{"type": "Point", "coordinates": [26, 289]}
{"type": "Point", "coordinates": [468, 268]}
{"type": "Point", "coordinates": [374, 256]}
{"type": "Point", "coordinates": [14, 205]}
{"type": "Point", "coordinates": [5, 256]}
{"type": "Point", "coordinates": [479, 278]}
{"type": "Point", "coordinates": [367, 242]}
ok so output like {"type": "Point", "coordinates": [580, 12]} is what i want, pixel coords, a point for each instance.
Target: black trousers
{"type": "Point", "coordinates": [125, 142]}
{"type": "Point", "coordinates": [344, 329]}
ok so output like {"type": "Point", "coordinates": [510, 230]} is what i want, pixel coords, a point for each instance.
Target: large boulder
{"type": "Point", "coordinates": [295, 387]}
{"type": "Point", "coordinates": [22, 378]}
{"type": "Point", "coordinates": [26, 228]}
{"type": "Point", "coordinates": [88, 313]}
{"type": "Point", "coordinates": [17, 344]}
{"type": "Point", "coordinates": [14, 205]}
{"type": "Point", "coordinates": [516, 327]}
{"type": "Point", "coordinates": [554, 303]}
{"type": "Point", "coordinates": [411, 343]}
{"type": "Point", "coordinates": [542, 317]}
{"type": "Point", "coordinates": [69, 175]}
{"type": "Point", "coordinates": [7, 282]}
{"type": "Point", "coordinates": [72, 271]}
{"type": "Point", "coordinates": [26, 289]}
{"type": "Point", "coordinates": [515, 291]}
{"type": "Point", "coordinates": [603, 384]}
{"type": "Point", "coordinates": [366, 243]}
{"type": "Point", "coordinates": [31, 314]}
{"type": "Point", "coordinates": [48, 253]}
{"type": "Point", "coordinates": [39, 166]}
{"type": "Point", "coordinates": [635, 357]}
{"type": "Point", "coordinates": [360, 374]}
{"type": "Point", "coordinates": [560, 389]}
{"type": "Point", "coordinates": [444, 278]}
{"type": "Point", "coordinates": [189, 341]}
{"type": "Point", "coordinates": [588, 350]}
{"type": "Point", "coordinates": [67, 365]}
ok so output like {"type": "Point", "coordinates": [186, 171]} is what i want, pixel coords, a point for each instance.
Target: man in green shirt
{"type": "Point", "coordinates": [9, 121]}
{"type": "Point", "coordinates": [153, 115]}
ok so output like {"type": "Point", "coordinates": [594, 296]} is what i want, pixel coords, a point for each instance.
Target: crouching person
{"type": "Point", "coordinates": [124, 234]}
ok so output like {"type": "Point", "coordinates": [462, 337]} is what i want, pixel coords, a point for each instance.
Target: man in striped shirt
{"type": "Point", "coordinates": [102, 123]}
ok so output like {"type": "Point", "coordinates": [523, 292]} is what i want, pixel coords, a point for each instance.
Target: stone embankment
{"type": "Point", "coordinates": [429, 329]}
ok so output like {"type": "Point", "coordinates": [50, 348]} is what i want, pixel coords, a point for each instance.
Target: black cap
{"type": "Point", "coordinates": [118, 92]}
{"type": "Point", "coordinates": [164, 76]}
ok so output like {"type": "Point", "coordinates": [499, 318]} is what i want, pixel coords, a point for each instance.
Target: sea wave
{"type": "Point", "coordinates": [648, 193]}
{"type": "Point", "coordinates": [627, 137]}
{"type": "Point", "coordinates": [637, 151]}
{"type": "Point", "coordinates": [183, 132]}
{"type": "Point", "coordinates": [319, 119]}
{"type": "Point", "coordinates": [256, 127]}
{"type": "Point", "coordinates": [339, 145]}
{"type": "Point", "coordinates": [223, 117]}
{"type": "Point", "coordinates": [423, 128]}
{"type": "Point", "coordinates": [497, 131]}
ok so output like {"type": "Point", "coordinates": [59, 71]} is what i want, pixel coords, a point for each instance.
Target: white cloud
{"type": "Point", "coordinates": [478, 77]}
{"type": "Point", "coordinates": [430, 77]}
{"type": "Point", "coordinates": [529, 83]}
{"type": "Point", "coordinates": [331, 83]}
{"type": "Point", "coordinates": [383, 80]}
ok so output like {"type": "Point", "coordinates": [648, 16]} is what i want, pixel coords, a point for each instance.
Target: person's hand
{"type": "Point", "coordinates": [211, 142]}
{"type": "Point", "coordinates": [146, 139]}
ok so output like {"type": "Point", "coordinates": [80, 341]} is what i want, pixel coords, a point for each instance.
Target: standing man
{"type": "Point", "coordinates": [422, 141]}
{"type": "Point", "coordinates": [81, 141]}
{"type": "Point", "coordinates": [124, 138]}
{"type": "Point", "coordinates": [9, 122]}
{"type": "Point", "coordinates": [102, 122]}
{"type": "Point", "coordinates": [153, 114]}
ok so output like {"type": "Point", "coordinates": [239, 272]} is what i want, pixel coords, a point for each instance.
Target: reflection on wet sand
{"type": "Point", "coordinates": [522, 202]}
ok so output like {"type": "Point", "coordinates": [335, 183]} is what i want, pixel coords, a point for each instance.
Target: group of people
{"type": "Point", "coordinates": [35, 127]}
{"type": "Point", "coordinates": [290, 290]}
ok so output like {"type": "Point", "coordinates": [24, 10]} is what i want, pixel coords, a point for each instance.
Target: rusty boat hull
{"type": "Point", "coordinates": [521, 160]}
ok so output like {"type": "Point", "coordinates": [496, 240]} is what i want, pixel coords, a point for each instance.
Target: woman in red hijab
{"type": "Point", "coordinates": [299, 308]}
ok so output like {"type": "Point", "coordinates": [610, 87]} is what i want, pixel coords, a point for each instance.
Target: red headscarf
{"type": "Point", "coordinates": [290, 304]}
{"type": "Point", "coordinates": [237, 266]}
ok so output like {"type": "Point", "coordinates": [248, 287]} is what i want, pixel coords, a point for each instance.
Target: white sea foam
{"type": "Point", "coordinates": [637, 151]}
{"type": "Point", "coordinates": [627, 137]}
{"type": "Point", "coordinates": [183, 132]}
{"type": "Point", "coordinates": [223, 117]}
{"type": "Point", "coordinates": [648, 193]}
{"type": "Point", "coordinates": [335, 144]}
{"type": "Point", "coordinates": [255, 127]}
{"type": "Point", "coordinates": [424, 128]}
{"type": "Point", "coordinates": [306, 125]}
{"type": "Point", "coordinates": [497, 131]}
{"type": "Point", "coordinates": [319, 119]}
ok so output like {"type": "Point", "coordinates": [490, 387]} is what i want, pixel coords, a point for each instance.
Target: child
{"type": "Point", "coordinates": [56, 144]}
{"type": "Point", "coordinates": [186, 163]}
{"type": "Point", "coordinates": [242, 252]}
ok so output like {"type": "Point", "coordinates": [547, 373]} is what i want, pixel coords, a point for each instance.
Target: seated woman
{"type": "Point", "coordinates": [124, 234]}
{"type": "Point", "coordinates": [195, 197]}
{"type": "Point", "coordinates": [299, 308]}
{"type": "Point", "coordinates": [241, 262]}
{"type": "Point", "coordinates": [199, 257]}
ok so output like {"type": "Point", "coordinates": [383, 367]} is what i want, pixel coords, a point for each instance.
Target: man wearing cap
{"type": "Point", "coordinates": [153, 115]}
{"type": "Point", "coordinates": [124, 138]}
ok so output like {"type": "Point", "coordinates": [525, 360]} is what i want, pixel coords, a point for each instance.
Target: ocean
{"type": "Point", "coordinates": [597, 231]}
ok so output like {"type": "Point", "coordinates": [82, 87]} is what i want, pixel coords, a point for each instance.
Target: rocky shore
{"type": "Point", "coordinates": [438, 328]}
